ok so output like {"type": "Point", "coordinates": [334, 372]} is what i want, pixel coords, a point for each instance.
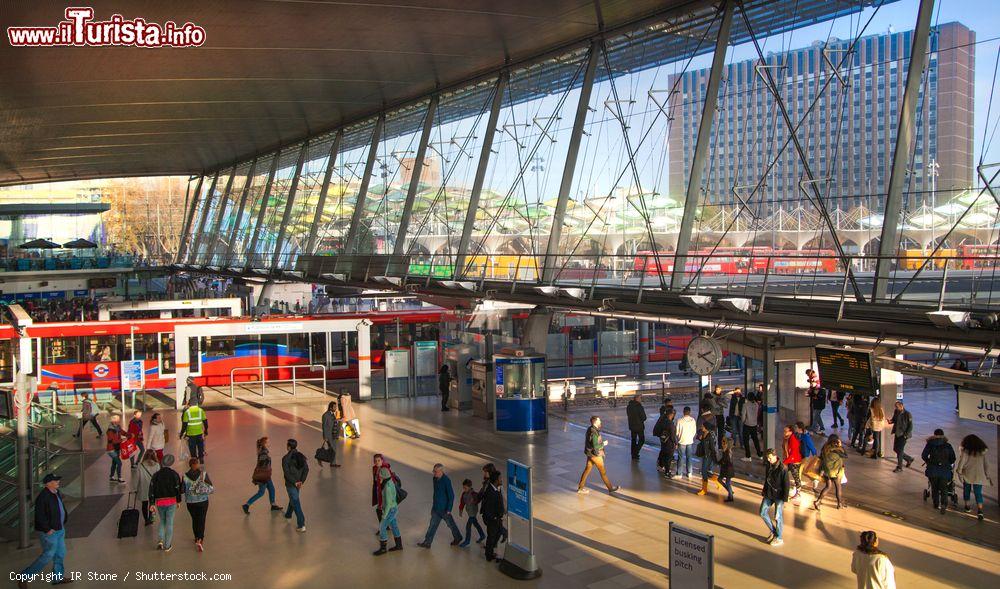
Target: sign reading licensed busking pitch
{"type": "Point", "coordinates": [691, 555]}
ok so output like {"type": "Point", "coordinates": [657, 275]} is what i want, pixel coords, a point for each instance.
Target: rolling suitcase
{"type": "Point", "coordinates": [128, 523]}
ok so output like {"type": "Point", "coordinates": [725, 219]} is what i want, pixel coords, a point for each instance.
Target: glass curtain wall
{"type": "Point", "coordinates": [307, 198]}
{"type": "Point", "coordinates": [245, 226]}
{"type": "Point", "coordinates": [277, 200]}
{"type": "Point", "coordinates": [345, 182]}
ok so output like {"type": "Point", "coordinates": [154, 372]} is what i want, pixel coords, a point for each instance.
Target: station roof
{"type": "Point", "coordinates": [270, 73]}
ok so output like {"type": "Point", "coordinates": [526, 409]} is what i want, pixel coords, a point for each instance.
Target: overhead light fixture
{"type": "Point", "coordinates": [549, 291]}
{"type": "Point", "coordinates": [574, 293]}
{"type": "Point", "coordinates": [958, 319]}
{"type": "Point", "coordinates": [394, 280]}
{"type": "Point", "coordinates": [737, 304]}
{"type": "Point", "coordinates": [457, 284]}
{"type": "Point", "coordinates": [337, 277]}
{"type": "Point", "coordinates": [697, 301]}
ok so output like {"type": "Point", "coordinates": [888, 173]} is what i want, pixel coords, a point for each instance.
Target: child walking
{"type": "Point", "coordinates": [470, 503]}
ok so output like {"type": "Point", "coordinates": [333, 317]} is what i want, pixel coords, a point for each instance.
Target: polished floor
{"type": "Point", "coordinates": [583, 541]}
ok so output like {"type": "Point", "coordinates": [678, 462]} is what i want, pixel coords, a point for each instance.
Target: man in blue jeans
{"type": "Point", "coordinates": [686, 430]}
{"type": "Point", "coordinates": [50, 517]}
{"type": "Point", "coordinates": [775, 493]}
{"type": "Point", "coordinates": [444, 499]}
{"type": "Point", "coordinates": [295, 467]}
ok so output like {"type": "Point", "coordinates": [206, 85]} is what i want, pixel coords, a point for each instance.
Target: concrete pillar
{"type": "Point", "coordinates": [891, 387]}
{"type": "Point", "coordinates": [643, 349]}
{"type": "Point", "coordinates": [772, 423]}
{"type": "Point", "coordinates": [25, 390]}
{"type": "Point", "coordinates": [182, 368]}
{"type": "Point", "coordinates": [536, 330]}
{"type": "Point", "coordinates": [266, 292]}
{"type": "Point", "coordinates": [364, 360]}
{"type": "Point", "coordinates": [793, 384]}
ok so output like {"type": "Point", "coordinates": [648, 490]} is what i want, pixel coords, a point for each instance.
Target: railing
{"type": "Point", "coordinates": [263, 381]}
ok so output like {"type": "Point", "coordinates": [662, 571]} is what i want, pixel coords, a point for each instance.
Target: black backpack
{"type": "Point", "coordinates": [400, 492]}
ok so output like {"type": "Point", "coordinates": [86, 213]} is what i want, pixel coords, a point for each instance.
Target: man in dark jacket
{"type": "Point", "coordinates": [902, 430]}
{"type": "Point", "coordinates": [295, 467]}
{"type": "Point", "coordinates": [492, 507]}
{"type": "Point", "coordinates": [736, 401]}
{"type": "Point", "coordinates": [50, 517]}
{"type": "Point", "coordinates": [444, 500]}
{"type": "Point", "coordinates": [666, 430]}
{"type": "Point", "coordinates": [444, 386]}
{"type": "Point", "coordinates": [775, 493]}
{"type": "Point", "coordinates": [636, 424]}
{"type": "Point", "coordinates": [940, 458]}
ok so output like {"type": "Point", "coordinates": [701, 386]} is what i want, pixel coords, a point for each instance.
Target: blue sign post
{"type": "Point", "coordinates": [519, 556]}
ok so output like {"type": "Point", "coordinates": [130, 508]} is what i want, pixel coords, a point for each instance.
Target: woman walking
{"type": "Point", "coordinates": [971, 470]}
{"type": "Point", "coordinates": [726, 467]}
{"type": "Point", "coordinates": [876, 423]}
{"type": "Point", "coordinates": [831, 465]}
{"type": "Point", "coordinates": [197, 488]}
{"type": "Point", "coordinates": [871, 566]}
{"type": "Point", "coordinates": [115, 437]}
{"type": "Point", "coordinates": [158, 436]}
{"type": "Point", "coordinates": [262, 477]}
{"type": "Point", "coordinates": [388, 507]}
{"type": "Point", "coordinates": [144, 476]}
{"type": "Point", "coordinates": [708, 451]}
{"type": "Point", "coordinates": [793, 460]}
{"type": "Point", "coordinates": [378, 463]}
{"type": "Point", "coordinates": [165, 490]}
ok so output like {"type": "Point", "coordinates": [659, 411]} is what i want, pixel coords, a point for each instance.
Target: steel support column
{"type": "Point", "coordinates": [418, 168]}
{"type": "Point", "coordinates": [477, 183]}
{"type": "Point", "coordinates": [227, 257]}
{"type": "Point", "coordinates": [569, 170]}
{"type": "Point", "coordinates": [196, 235]}
{"type": "Point", "coordinates": [900, 158]}
{"type": "Point", "coordinates": [289, 203]}
{"type": "Point", "coordinates": [262, 213]}
{"type": "Point", "coordinates": [354, 231]}
{"type": "Point", "coordinates": [318, 217]}
{"type": "Point", "coordinates": [192, 204]}
{"type": "Point", "coordinates": [701, 147]}
{"type": "Point", "coordinates": [214, 229]}
{"type": "Point", "coordinates": [771, 436]}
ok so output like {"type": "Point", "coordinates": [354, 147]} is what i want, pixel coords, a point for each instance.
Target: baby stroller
{"type": "Point", "coordinates": [952, 494]}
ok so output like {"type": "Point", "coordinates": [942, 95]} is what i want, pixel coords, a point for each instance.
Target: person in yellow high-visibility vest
{"type": "Point", "coordinates": [194, 427]}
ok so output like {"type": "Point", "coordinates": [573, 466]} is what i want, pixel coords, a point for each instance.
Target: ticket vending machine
{"type": "Point", "coordinates": [483, 395]}
{"type": "Point", "coordinates": [459, 359]}
{"type": "Point", "coordinates": [519, 376]}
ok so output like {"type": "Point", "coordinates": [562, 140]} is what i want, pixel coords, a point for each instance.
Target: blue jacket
{"type": "Point", "coordinates": [806, 446]}
{"type": "Point", "coordinates": [444, 495]}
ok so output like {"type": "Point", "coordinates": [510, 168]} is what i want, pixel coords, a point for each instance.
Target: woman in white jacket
{"type": "Point", "coordinates": [871, 566]}
{"type": "Point", "coordinates": [971, 470]}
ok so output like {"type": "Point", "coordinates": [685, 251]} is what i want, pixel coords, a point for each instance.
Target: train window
{"type": "Point", "coordinates": [145, 346]}
{"type": "Point", "coordinates": [167, 353]}
{"type": "Point", "coordinates": [217, 346]}
{"type": "Point", "coordinates": [6, 360]}
{"type": "Point", "coordinates": [298, 345]}
{"type": "Point", "coordinates": [194, 355]}
{"type": "Point", "coordinates": [317, 348]}
{"type": "Point", "coordinates": [61, 350]}
{"type": "Point", "coordinates": [101, 348]}
{"type": "Point", "coordinates": [339, 342]}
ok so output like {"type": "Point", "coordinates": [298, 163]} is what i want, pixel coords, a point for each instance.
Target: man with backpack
{"type": "Point", "coordinates": [295, 467]}
{"type": "Point", "coordinates": [902, 430]}
{"type": "Point", "coordinates": [939, 456]}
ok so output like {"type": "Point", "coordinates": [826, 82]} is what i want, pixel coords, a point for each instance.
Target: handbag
{"type": "Point", "coordinates": [127, 448]}
{"type": "Point", "coordinates": [261, 474]}
{"type": "Point", "coordinates": [810, 468]}
{"type": "Point", "coordinates": [201, 487]}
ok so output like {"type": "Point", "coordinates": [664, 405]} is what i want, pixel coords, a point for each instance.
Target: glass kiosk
{"type": "Point", "coordinates": [520, 391]}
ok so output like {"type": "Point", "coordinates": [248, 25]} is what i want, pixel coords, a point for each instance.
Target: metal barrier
{"type": "Point", "coordinates": [264, 381]}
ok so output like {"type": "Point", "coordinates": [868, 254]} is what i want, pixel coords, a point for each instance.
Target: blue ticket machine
{"type": "Point", "coordinates": [520, 391]}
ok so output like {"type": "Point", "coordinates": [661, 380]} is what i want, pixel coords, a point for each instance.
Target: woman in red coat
{"type": "Point", "coordinates": [793, 459]}
{"type": "Point", "coordinates": [378, 462]}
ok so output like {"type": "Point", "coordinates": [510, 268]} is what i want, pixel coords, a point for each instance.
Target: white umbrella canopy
{"type": "Point", "coordinates": [952, 208]}
{"type": "Point", "coordinates": [871, 221]}
{"type": "Point", "coordinates": [925, 220]}
{"type": "Point", "coordinates": [978, 220]}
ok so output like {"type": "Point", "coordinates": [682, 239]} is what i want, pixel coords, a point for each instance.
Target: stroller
{"type": "Point", "coordinates": [951, 494]}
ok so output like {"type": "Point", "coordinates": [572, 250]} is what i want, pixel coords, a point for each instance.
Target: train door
{"type": "Point", "coordinates": [167, 357]}
{"type": "Point", "coordinates": [7, 362]}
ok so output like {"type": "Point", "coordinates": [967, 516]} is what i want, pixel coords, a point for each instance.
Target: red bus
{"type": "Point", "coordinates": [979, 256]}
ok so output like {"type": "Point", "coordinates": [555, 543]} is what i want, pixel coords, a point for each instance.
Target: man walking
{"type": "Point", "coordinates": [493, 511]}
{"type": "Point", "coordinates": [902, 430]}
{"type": "Point", "coordinates": [775, 494]}
{"type": "Point", "coordinates": [686, 431]}
{"type": "Point", "coordinates": [88, 414]}
{"type": "Point", "coordinates": [50, 519]}
{"type": "Point", "coordinates": [193, 394]}
{"type": "Point", "coordinates": [720, 402]}
{"type": "Point", "coordinates": [444, 499]}
{"type": "Point", "coordinates": [593, 447]}
{"type": "Point", "coordinates": [736, 402]}
{"type": "Point", "coordinates": [295, 467]}
{"type": "Point", "coordinates": [194, 427]}
{"type": "Point", "coordinates": [636, 424]}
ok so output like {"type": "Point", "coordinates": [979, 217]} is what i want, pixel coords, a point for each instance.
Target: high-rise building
{"type": "Point", "coordinates": [849, 134]}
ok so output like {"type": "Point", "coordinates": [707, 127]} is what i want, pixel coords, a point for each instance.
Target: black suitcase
{"type": "Point", "coordinates": [128, 523]}
{"type": "Point", "coordinates": [325, 454]}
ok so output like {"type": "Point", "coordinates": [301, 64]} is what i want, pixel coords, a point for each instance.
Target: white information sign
{"type": "Point", "coordinates": [691, 559]}
{"type": "Point", "coordinates": [979, 406]}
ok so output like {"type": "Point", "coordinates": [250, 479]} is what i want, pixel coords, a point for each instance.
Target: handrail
{"type": "Point", "coordinates": [263, 381]}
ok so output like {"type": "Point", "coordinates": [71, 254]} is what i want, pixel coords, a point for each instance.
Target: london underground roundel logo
{"type": "Point", "coordinates": [101, 370]}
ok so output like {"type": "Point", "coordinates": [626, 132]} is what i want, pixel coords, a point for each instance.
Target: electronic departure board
{"type": "Point", "coordinates": [848, 371]}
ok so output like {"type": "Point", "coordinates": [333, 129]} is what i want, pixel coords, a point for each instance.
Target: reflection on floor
{"type": "Point", "coordinates": [583, 541]}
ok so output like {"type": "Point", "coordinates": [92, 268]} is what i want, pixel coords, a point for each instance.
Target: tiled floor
{"type": "Point", "coordinates": [583, 541]}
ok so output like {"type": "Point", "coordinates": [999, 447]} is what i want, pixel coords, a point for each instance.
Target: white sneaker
{"type": "Point", "coordinates": [747, 459]}
{"type": "Point", "coordinates": [302, 529]}
{"type": "Point", "coordinates": [583, 491]}
{"type": "Point", "coordinates": [777, 542]}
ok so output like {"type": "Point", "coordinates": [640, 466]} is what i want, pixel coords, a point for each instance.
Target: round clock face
{"type": "Point", "coordinates": [704, 355]}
